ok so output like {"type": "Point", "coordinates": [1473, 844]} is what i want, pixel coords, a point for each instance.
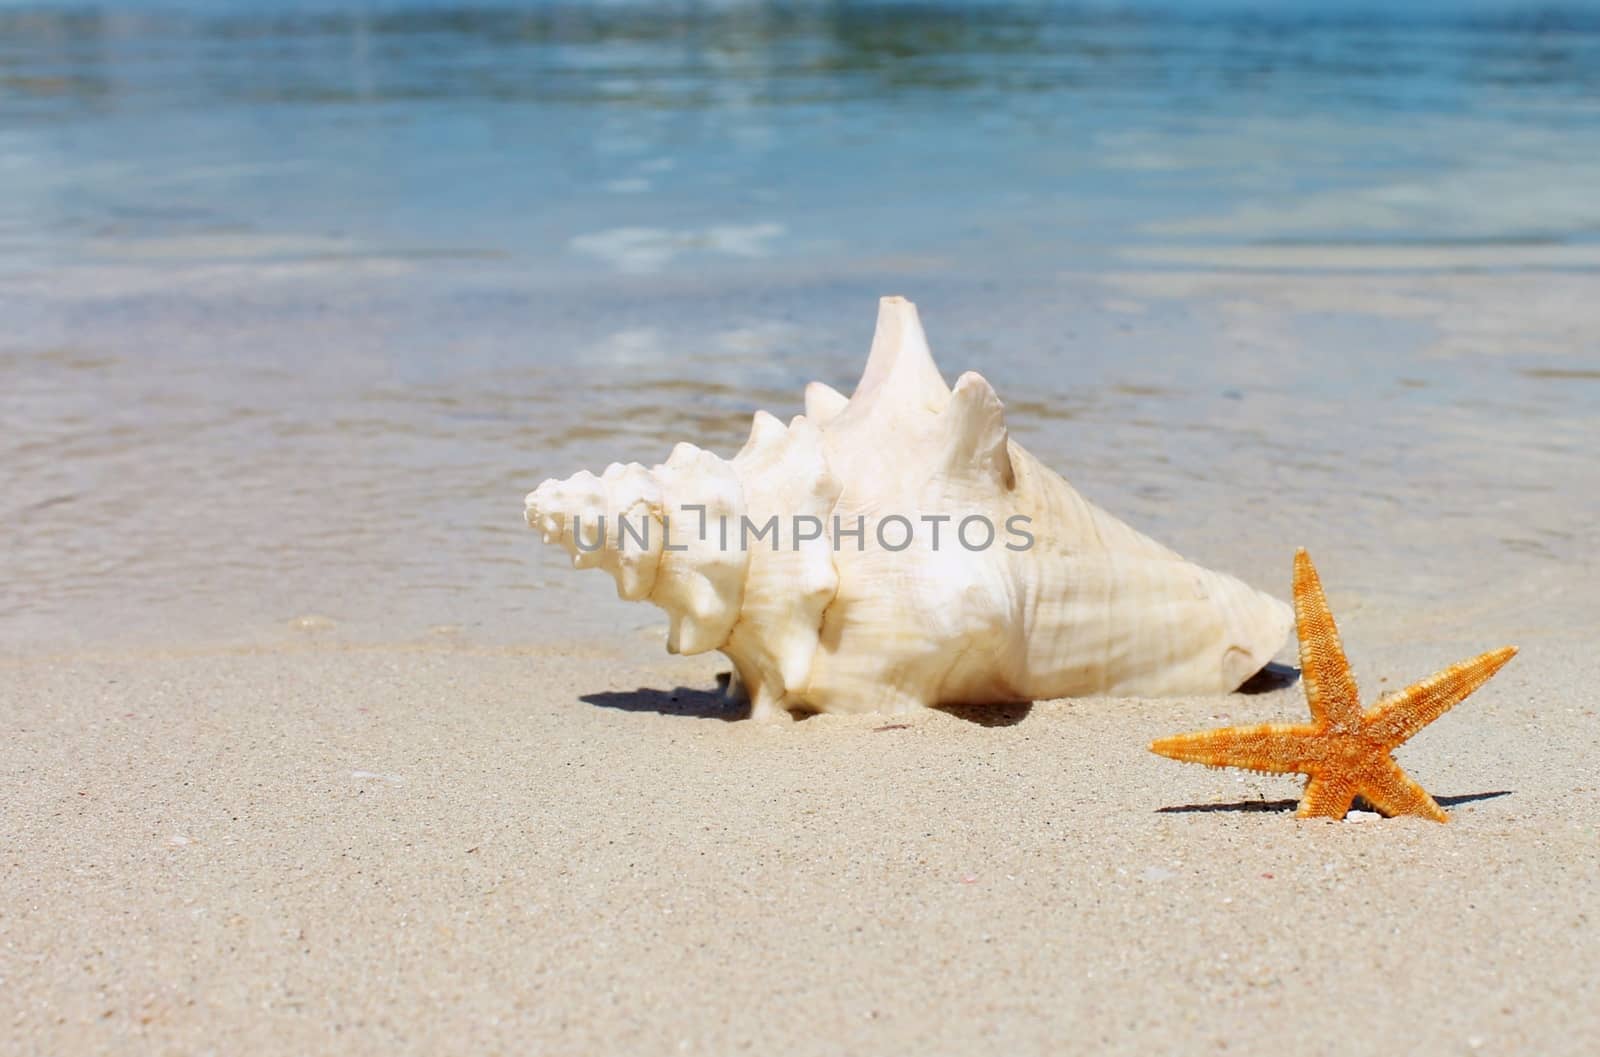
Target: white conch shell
{"type": "Point", "coordinates": [1047, 595]}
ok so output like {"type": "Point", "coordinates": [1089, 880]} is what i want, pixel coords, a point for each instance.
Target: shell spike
{"type": "Point", "coordinates": [766, 431]}
{"type": "Point", "coordinates": [900, 365]}
{"type": "Point", "coordinates": [823, 403]}
{"type": "Point", "coordinates": [976, 440]}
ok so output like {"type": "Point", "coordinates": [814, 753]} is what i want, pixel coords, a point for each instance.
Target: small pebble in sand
{"type": "Point", "coordinates": [311, 622]}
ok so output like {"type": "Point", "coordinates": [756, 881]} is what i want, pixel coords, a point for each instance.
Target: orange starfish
{"type": "Point", "coordinates": [1344, 750]}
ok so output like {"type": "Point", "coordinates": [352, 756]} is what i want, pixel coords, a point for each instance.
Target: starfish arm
{"type": "Point", "coordinates": [1393, 721]}
{"type": "Point", "coordinates": [1326, 796]}
{"type": "Point", "coordinates": [1330, 688]}
{"type": "Point", "coordinates": [1393, 792]}
{"type": "Point", "coordinates": [1276, 748]}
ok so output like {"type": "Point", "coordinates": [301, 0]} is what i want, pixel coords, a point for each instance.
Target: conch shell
{"type": "Point", "coordinates": [897, 550]}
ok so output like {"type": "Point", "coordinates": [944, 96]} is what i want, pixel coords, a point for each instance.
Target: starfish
{"type": "Point", "coordinates": [1345, 751]}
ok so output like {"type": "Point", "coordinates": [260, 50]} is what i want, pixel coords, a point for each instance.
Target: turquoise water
{"type": "Point", "coordinates": [300, 299]}
{"type": "Point", "coordinates": [590, 139]}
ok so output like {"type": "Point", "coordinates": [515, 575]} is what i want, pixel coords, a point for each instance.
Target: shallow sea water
{"type": "Point", "coordinates": [295, 306]}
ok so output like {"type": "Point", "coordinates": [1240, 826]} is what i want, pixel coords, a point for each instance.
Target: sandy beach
{"type": "Point", "coordinates": [502, 819]}
{"type": "Point", "coordinates": [445, 849]}
{"type": "Point", "coordinates": [308, 745]}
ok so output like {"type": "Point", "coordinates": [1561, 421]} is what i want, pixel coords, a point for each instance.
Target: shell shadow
{"type": "Point", "coordinates": [1290, 805]}
{"type": "Point", "coordinates": [1006, 715]}
{"type": "Point", "coordinates": [716, 704]}
{"type": "Point", "coordinates": [682, 701]}
{"type": "Point", "coordinates": [1274, 676]}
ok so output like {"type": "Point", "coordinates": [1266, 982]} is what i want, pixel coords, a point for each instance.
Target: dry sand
{"type": "Point", "coordinates": [437, 849]}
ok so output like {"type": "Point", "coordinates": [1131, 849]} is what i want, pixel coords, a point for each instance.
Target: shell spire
{"type": "Point", "coordinates": [651, 530]}
{"type": "Point", "coordinates": [897, 549]}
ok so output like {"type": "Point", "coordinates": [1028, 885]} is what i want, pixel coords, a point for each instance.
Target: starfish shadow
{"type": "Point", "coordinates": [1467, 798]}
{"type": "Point", "coordinates": [1238, 805]}
{"type": "Point", "coordinates": [1290, 805]}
